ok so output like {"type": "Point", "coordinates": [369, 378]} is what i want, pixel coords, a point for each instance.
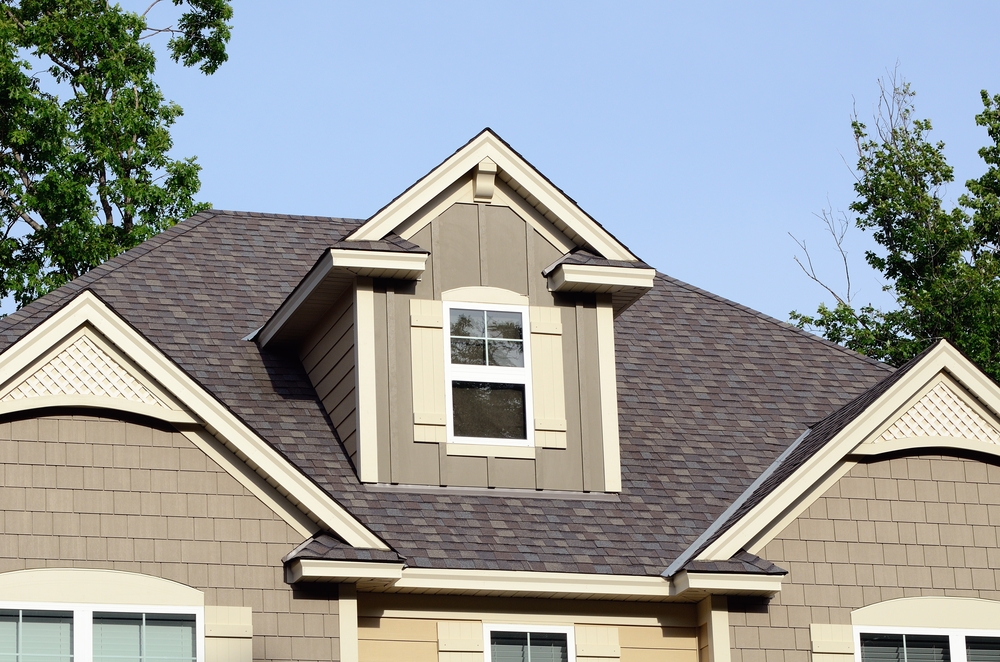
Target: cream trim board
{"type": "Point", "coordinates": [609, 395]}
{"type": "Point", "coordinates": [490, 450]}
{"type": "Point", "coordinates": [713, 611]}
{"type": "Point", "coordinates": [588, 278]}
{"type": "Point", "coordinates": [96, 586]}
{"type": "Point", "coordinates": [348, 616]}
{"type": "Point", "coordinates": [726, 583]}
{"type": "Point", "coordinates": [386, 261]}
{"type": "Point", "coordinates": [342, 571]}
{"type": "Point", "coordinates": [88, 309]}
{"type": "Point", "coordinates": [97, 402]}
{"type": "Point", "coordinates": [569, 631]}
{"type": "Point", "coordinates": [956, 637]}
{"type": "Point", "coordinates": [929, 612]}
{"type": "Point", "coordinates": [943, 358]}
{"type": "Point", "coordinates": [364, 380]}
{"type": "Point", "coordinates": [460, 165]}
{"type": "Point", "coordinates": [484, 296]}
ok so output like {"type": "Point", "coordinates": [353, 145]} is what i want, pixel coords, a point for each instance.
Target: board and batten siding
{"type": "Point", "coordinates": [891, 528]}
{"type": "Point", "coordinates": [489, 246]}
{"type": "Point", "coordinates": [329, 360]}
{"type": "Point", "coordinates": [451, 630]}
{"type": "Point", "coordinates": [137, 496]}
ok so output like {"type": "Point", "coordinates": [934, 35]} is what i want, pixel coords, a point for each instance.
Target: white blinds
{"type": "Point", "coordinates": [143, 638]}
{"type": "Point", "coordinates": [982, 649]}
{"type": "Point", "coordinates": [29, 636]}
{"type": "Point", "coordinates": [528, 647]}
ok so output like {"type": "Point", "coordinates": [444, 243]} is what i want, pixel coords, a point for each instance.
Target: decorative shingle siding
{"type": "Point", "coordinates": [98, 493]}
{"type": "Point", "coordinates": [903, 527]}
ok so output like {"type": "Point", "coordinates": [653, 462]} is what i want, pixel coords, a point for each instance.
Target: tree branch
{"type": "Point", "coordinates": [155, 2]}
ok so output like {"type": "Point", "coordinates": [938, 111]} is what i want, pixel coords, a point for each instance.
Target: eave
{"type": "Point", "coordinates": [625, 284]}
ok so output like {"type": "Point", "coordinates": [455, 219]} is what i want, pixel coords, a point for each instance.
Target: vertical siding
{"type": "Point", "coordinates": [903, 527]}
{"type": "Point", "coordinates": [86, 492]}
{"type": "Point", "coordinates": [328, 358]}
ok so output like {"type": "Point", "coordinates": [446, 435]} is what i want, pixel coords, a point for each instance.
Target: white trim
{"type": "Point", "coordinates": [83, 614]}
{"type": "Point", "coordinates": [956, 637]}
{"type": "Point", "coordinates": [607, 371]}
{"type": "Point", "coordinates": [599, 278]}
{"type": "Point", "coordinates": [460, 164]}
{"type": "Point", "coordinates": [496, 374]}
{"type": "Point", "coordinates": [568, 630]}
{"type": "Point", "coordinates": [347, 609]}
{"type": "Point", "coordinates": [365, 384]}
{"type": "Point", "coordinates": [87, 308]}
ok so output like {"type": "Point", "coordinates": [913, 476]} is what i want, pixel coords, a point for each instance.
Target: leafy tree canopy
{"type": "Point", "coordinates": [84, 133]}
{"type": "Point", "coordinates": [941, 264]}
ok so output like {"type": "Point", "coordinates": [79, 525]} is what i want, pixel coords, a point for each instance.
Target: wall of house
{"type": "Point", "coordinates": [487, 245]}
{"type": "Point", "coordinates": [891, 528]}
{"type": "Point", "coordinates": [328, 357]}
{"type": "Point", "coordinates": [450, 629]}
{"type": "Point", "coordinates": [89, 492]}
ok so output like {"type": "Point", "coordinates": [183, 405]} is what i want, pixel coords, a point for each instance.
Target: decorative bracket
{"type": "Point", "coordinates": [485, 180]}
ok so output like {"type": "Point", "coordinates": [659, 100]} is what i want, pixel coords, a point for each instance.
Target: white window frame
{"type": "Point", "coordinates": [956, 637]}
{"type": "Point", "coordinates": [568, 630]}
{"type": "Point", "coordinates": [83, 621]}
{"type": "Point", "coordinates": [494, 374]}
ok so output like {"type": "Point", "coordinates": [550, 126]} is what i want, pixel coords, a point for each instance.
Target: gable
{"type": "Point", "coordinates": [85, 356]}
{"type": "Point", "coordinates": [940, 401]}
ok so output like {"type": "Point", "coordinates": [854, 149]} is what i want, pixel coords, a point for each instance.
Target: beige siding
{"type": "Point", "coordinates": [903, 527]}
{"type": "Point", "coordinates": [485, 245]}
{"type": "Point", "coordinates": [80, 491]}
{"type": "Point", "coordinates": [328, 358]}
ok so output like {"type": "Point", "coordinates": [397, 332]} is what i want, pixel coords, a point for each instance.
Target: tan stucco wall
{"type": "Point", "coordinates": [489, 246]}
{"type": "Point", "coordinates": [902, 527]}
{"type": "Point", "coordinates": [81, 491]}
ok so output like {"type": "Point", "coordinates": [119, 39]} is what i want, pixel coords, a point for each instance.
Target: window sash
{"type": "Point", "coordinates": [924, 644]}
{"type": "Point", "coordinates": [529, 643]}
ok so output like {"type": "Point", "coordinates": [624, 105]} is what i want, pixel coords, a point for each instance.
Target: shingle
{"type": "Point", "coordinates": [710, 393]}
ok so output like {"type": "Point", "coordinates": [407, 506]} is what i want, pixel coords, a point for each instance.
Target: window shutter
{"type": "Point", "coordinates": [427, 357]}
{"type": "Point", "coordinates": [548, 389]}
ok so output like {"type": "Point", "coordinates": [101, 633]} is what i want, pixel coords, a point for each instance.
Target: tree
{"type": "Point", "coordinates": [84, 171]}
{"type": "Point", "coordinates": [941, 265]}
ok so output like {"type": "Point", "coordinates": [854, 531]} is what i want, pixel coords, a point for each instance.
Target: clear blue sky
{"type": "Point", "coordinates": [701, 134]}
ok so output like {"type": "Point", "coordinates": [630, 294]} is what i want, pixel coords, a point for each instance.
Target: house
{"type": "Point", "coordinates": [474, 427]}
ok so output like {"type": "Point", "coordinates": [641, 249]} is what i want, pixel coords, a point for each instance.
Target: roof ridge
{"type": "Point", "coordinates": [268, 214]}
{"type": "Point", "coordinates": [773, 320]}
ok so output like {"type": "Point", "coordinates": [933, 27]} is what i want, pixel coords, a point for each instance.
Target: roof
{"type": "Point", "coordinates": [710, 393]}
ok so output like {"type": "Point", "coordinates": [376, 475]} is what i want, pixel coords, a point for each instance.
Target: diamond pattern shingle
{"type": "Point", "coordinates": [710, 393]}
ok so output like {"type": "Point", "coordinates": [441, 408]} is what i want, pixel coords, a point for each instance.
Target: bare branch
{"type": "Point", "coordinates": [811, 270]}
{"type": "Point", "coordinates": [155, 31]}
{"type": "Point", "coordinates": [155, 2]}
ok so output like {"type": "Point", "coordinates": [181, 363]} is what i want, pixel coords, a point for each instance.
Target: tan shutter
{"type": "Point", "coordinates": [548, 390]}
{"type": "Point", "coordinates": [427, 355]}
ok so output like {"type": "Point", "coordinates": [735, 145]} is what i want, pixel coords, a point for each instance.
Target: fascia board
{"type": "Point", "coordinates": [726, 583]}
{"type": "Point", "coordinates": [825, 462]}
{"type": "Point", "coordinates": [349, 572]}
{"type": "Point", "coordinates": [87, 308]}
{"type": "Point", "coordinates": [582, 278]}
{"type": "Point", "coordinates": [487, 145]}
{"type": "Point", "coordinates": [97, 402]}
{"type": "Point", "coordinates": [384, 264]}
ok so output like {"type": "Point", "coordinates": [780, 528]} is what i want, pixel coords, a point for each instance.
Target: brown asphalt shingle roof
{"type": "Point", "coordinates": [710, 393]}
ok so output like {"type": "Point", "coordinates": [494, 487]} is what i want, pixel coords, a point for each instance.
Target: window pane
{"type": "Point", "coordinates": [8, 636]}
{"type": "Point", "coordinates": [508, 647]}
{"type": "Point", "coordinates": [46, 636]}
{"type": "Point", "coordinates": [169, 637]}
{"type": "Point", "coordinates": [468, 323]}
{"type": "Point", "coordinates": [468, 352]}
{"type": "Point", "coordinates": [487, 410]}
{"type": "Point", "coordinates": [508, 353]}
{"type": "Point", "coordinates": [504, 325]}
{"type": "Point", "coordinates": [927, 648]}
{"type": "Point", "coordinates": [547, 647]}
{"type": "Point", "coordinates": [881, 648]}
{"type": "Point", "coordinates": [982, 649]}
{"type": "Point", "coordinates": [117, 637]}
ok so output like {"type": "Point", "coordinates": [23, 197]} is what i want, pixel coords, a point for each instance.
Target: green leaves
{"type": "Point", "coordinates": [85, 134]}
{"type": "Point", "coordinates": [942, 265]}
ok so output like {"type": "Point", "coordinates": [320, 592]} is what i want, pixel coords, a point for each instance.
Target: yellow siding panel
{"type": "Point", "coordinates": [397, 651]}
{"type": "Point", "coordinates": [396, 629]}
{"type": "Point", "coordinates": [653, 637]}
{"type": "Point", "coordinates": [658, 655]}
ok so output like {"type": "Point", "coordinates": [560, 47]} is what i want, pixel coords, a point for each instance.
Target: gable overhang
{"type": "Point", "coordinates": [333, 274]}
{"type": "Point", "coordinates": [867, 435]}
{"type": "Point", "coordinates": [625, 285]}
{"type": "Point", "coordinates": [397, 578]}
{"type": "Point", "coordinates": [196, 413]}
{"type": "Point", "coordinates": [482, 161]}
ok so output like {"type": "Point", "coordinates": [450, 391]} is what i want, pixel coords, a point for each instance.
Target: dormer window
{"type": "Point", "coordinates": [488, 381]}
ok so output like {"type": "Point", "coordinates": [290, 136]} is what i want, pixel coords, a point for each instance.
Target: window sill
{"type": "Point", "coordinates": [490, 450]}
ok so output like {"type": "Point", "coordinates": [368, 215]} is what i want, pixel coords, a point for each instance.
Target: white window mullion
{"type": "Point", "coordinates": [83, 635]}
{"type": "Point", "coordinates": [956, 642]}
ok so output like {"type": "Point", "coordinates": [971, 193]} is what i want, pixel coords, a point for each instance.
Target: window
{"type": "Point", "coordinates": [488, 384]}
{"type": "Point", "coordinates": [91, 633]}
{"type": "Point", "coordinates": [923, 645]}
{"type": "Point", "coordinates": [515, 643]}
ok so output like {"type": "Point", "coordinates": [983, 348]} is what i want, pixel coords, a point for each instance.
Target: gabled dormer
{"type": "Point", "coordinates": [464, 334]}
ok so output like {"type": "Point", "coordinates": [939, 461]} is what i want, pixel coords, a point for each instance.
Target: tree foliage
{"type": "Point", "coordinates": [941, 264]}
{"type": "Point", "coordinates": [85, 134]}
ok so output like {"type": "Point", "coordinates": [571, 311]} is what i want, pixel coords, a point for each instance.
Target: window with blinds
{"type": "Point", "coordinates": [929, 647]}
{"type": "Point", "coordinates": [36, 636]}
{"type": "Point", "coordinates": [528, 647]}
{"type": "Point", "coordinates": [48, 636]}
